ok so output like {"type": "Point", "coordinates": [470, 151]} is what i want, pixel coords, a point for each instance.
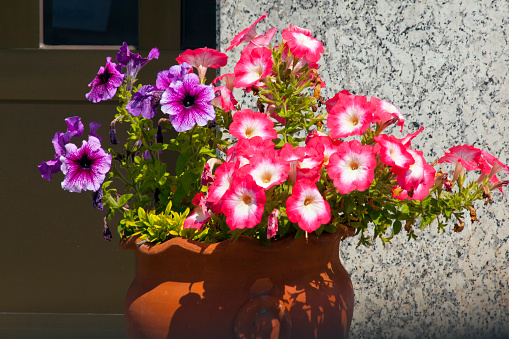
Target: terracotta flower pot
{"type": "Point", "coordinates": [289, 289]}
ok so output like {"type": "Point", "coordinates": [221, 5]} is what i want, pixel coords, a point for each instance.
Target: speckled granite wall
{"type": "Point", "coordinates": [445, 64]}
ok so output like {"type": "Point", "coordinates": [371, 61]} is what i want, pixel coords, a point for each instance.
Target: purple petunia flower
{"type": "Point", "coordinates": [74, 129]}
{"type": "Point", "coordinates": [85, 168]}
{"type": "Point", "coordinates": [175, 73]}
{"type": "Point", "coordinates": [188, 103]}
{"type": "Point", "coordinates": [105, 84]}
{"type": "Point", "coordinates": [133, 61]}
{"type": "Point", "coordinates": [145, 102]}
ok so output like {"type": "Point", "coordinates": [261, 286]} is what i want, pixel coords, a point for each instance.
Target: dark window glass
{"type": "Point", "coordinates": [198, 24]}
{"type": "Point", "coordinates": [90, 22]}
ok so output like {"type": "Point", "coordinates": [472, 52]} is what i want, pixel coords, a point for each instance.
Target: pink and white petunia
{"type": "Point", "coordinates": [302, 44]}
{"type": "Point", "coordinates": [246, 35]}
{"type": "Point", "coordinates": [222, 181]}
{"type": "Point", "coordinates": [334, 100]}
{"type": "Point", "coordinates": [203, 58]}
{"type": "Point", "coordinates": [228, 79]}
{"type": "Point", "coordinates": [248, 124]}
{"type": "Point", "coordinates": [306, 206]}
{"type": "Point", "coordinates": [351, 115]}
{"type": "Point", "coordinates": [393, 152]}
{"type": "Point", "coordinates": [254, 145]}
{"type": "Point", "coordinates": [200, 214]}
{"type": "Point", "coordinates": [267, 169]}
{"type": "Point", "coordinates": [324, 145]}
{"type": "Point", "coordinates": [386, 111]}
{"type": "Point", "coordinates": [309, 166]}
{"type": "Point", "coordinates": [409, 137]}
{"type": "Point", "coordinates": [464, 157]}
{"type": "Point", "coordinates": [415, 174]}
{"type": "Point", "coordinates": [260, 41]}
{"type": "Point", "coordinates": [243, 203]}
{"type": "Point", "coordinates": [352, 167]}
{"type": "Point", "coordinates": [421, 190]}
{"type": "Point", "coordinates": [293, 156]}
{"type": "Point", "coordinates": [224, 99]}
{"type": "Point", "coordinates": [252, 67]}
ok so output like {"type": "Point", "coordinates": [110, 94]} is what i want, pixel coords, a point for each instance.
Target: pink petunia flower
{"type": "Point", "coordinates": [351, 115]}
{"type": "Point", "coordinates": [309, 166]}
{"type": "Point", "coordinates": [252, 67]}
{"type": "Point", "coordinates": [228, 79]}
{"type": "Point", "coordinates": [464, 157]}
{"type": "Point", "coordinates": [248, 124]}
{"type": "Point", "coordinates": [334, 100]}
{"type": "Point", "coordinates": [272, 223]}
{"type": "Point", "coordinates": [392, 152]}
{"type": "Point", "coordinates": [200, 214]}
{"type": "Point", "coordinates": [324, 145]}
{"type": "Point", "coordinates": [415, 174]}
{"type": "Point", "coordinates": [306, 206]}
{"type": "Point", "coordinates": [293, 156]}
{"type": "Point", "coordinates": [352, 167]}
{"type": "Point", "coordinates": [224, 99]}
{"type": "Point", "coordinates": [267, 169]}
{"type": "Point", "coordinates": [222, 181]}
{"type": "Point", "coordinates": [260, 41]}
{"type": "Point", "coordinates": [246, 35]}
{"type": "Point", "coordinates": [385, 111]}
{"type": "Point", "coordinates": [302, 44]}
{"type": "Point", "coordinates": [243, 203]}
{"type": "Point", "coordinates": [203, 58]}
{"type": "Point", "coordinates": [416, 189]}
{"type": "Point", "coordinates": [254, 145]}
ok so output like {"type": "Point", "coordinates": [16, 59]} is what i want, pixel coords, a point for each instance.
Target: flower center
{"type": "Point", "coordinates": [85, 162]}
{"type": "Point", "coordinates": [266, 178]}
{"type": "Point", "coordinates": [355, 120]}
{"type": "Point", "coordinates": [354, 166]}
{"type": "Point", "coordinates": [308, 201]}
{"type": "Point", "coordinates": [247, 199]}
{"type": "Point", "coordinates": [249, 132]}
{"type": "Point", "coordinates": [188, 101]}
{"type": "Point", "coordinates": [104, 77]}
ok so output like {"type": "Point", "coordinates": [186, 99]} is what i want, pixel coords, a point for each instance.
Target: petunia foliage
{"type": "Point", "coordinates": [194, 163]}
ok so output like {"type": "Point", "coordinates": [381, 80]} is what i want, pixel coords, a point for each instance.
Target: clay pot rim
{"type": "Point", "coordinates": [136, 244]}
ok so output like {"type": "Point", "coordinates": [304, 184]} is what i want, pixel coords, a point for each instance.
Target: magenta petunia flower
{"type": "Point", "coordinates": [252, 67]}
{"type": "Point", "coordinates": [188, 103]}
{"type": "Point", "coordinates": [243, 203]}
{"type": "Point", "coordinates": [85, 168]}
{"type": "Point", "coordinates": [307, 207]}
{"type": "Point", "coordinates": [351, 115]}
{"type": "Point", "coordinates": [203, 58]}
{"type": "Point", "coordinates": [105, 84]}
{"type": "Point", "coordinates": [421, 190]}
{"type": "Point", "coordinates": [352, 167]}
{"type": "Point", "coordinates": [246, 35]}
{"type": "Point", "coordinates": [248, 124]}
{"type": "Point", "coordinates": [415, 174]}
{"type": "Point", "coordinates": [74, 129]}
{"type": "Point", "coordinates": [302, 44]}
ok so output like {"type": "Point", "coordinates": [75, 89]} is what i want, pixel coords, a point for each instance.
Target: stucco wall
{"type": "Point", "coordinates": [445, 65]}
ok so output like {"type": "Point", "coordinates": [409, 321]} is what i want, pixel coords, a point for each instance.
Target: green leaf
{"type": "Point", "coordinates": [405, 209]}
{"type": "Point", "coordinates": [124, 199]}
{"type": "Point", "coordinates": [182, 161]}
{"type": "Point", "coordinates": [396, 227]}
